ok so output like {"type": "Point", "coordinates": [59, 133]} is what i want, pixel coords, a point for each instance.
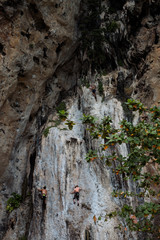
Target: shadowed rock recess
{"type": "Point", "coordinates": [50, 52]}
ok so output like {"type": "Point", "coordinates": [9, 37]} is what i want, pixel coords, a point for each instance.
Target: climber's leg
{"type": "Point", "coordinates": [74, 198]}
{"type": "Point", "coordinates": [77, 197]}
{"type": "Point", "coordinates": [94, 94]}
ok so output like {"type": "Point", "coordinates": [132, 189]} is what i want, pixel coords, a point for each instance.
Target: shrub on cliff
{"type": "Point", "coordinates": [140, 165]}
{"type": "Point", "coordinates": [13, 202]}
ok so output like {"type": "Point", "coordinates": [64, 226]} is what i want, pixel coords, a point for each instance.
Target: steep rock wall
{"type": "Point", "coordinates": [33, 36]}
{"type": "Point", "coordinates": [40, 66]}
{"type": "Point", "coordinates": [38, 44]}
{"type": "Point", "coordinates": [61, 165]}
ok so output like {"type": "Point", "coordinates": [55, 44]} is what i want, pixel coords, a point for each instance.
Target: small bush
{"type": "Point", "coordinates": [62, 115]}
{"type": "Point", "coordinates": [88, 119]}
{"type": "Point", "coordinates": [91, 156]}
{"type": "Point", "coordinates": [46, 131]}
{"type": "Point", "coordinates": [70, 124]}
{"type": "Point", "coordinates": [13, 202]}
{"type": "Point", "coordinates": [61, 106]}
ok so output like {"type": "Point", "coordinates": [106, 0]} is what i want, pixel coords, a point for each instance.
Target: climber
{"type": "Point", "coordinates": [76, 191]}
{"type": "Point", "coordinates": [43, 194]}
{"type": "Point", "coordinates": [93, 89]}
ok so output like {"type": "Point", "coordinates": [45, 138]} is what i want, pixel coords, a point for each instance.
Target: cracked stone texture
{"type": "Point", "coordinates": [36, 38]}
{"type": "Point", "coordinates": [40, 66]}
{"type": "Point", "coordinates": [61, 165]}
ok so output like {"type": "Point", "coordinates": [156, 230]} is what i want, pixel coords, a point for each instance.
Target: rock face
{"type": "Point", "coordinates": [34, 37]}
{"type": "Point", "coordinates": [43, 61]}
{"type": "Point", "coordinates": [38, 43]}
{"type": "Point", "coordinates": [61, 165]}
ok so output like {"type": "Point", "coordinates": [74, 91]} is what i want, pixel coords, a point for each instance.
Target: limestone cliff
{"type": "Point", "coordinates": [48, 53]}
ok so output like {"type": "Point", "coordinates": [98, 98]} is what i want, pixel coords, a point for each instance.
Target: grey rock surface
{"type": "Point", "coordinates": [42, 64]}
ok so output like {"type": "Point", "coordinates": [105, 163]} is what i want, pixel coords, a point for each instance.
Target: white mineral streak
{"type": "Point", "coordinates": [60, 166]}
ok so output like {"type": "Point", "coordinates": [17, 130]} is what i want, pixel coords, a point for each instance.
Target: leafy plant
{"type": "Point", "coordinates": [61, 106]}
{"type": "Point", "coordinates": [135, 105]}
{"type": "Point", "coordinates": [70, 124]}
{"type": "Point", "coordinates": [155, 112]}
{"type": "Point", "coordinates": [62, 115]}
{"type": "Point", "coordinates": [143, 140]}
{"type": "Point", "coordinates": [110, 215]}
{"type": "Point", "coordinates": [46, 131]}
{"type": "Point", "coordinates": [88, 119]}
{"type": "Point", "coordinates": [91, 155]}
{"type": "Point", "coordinates": [13, 202]}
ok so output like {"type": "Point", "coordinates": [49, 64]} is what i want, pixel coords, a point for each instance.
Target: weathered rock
{"type": "Point", "coordinates": [36, 39]}
{"type": "Point", "coordinates": [148, 87]}
{"type": "Point", "coordinates": [42, 39]}
{"type": "Point", "coordinates": [61, 165]}
{"type": "Point", "coordinates": [41, 65]}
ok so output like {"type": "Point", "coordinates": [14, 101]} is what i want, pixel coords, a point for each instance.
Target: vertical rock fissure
{"type": "Point", "coordinates": [32, 164]}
